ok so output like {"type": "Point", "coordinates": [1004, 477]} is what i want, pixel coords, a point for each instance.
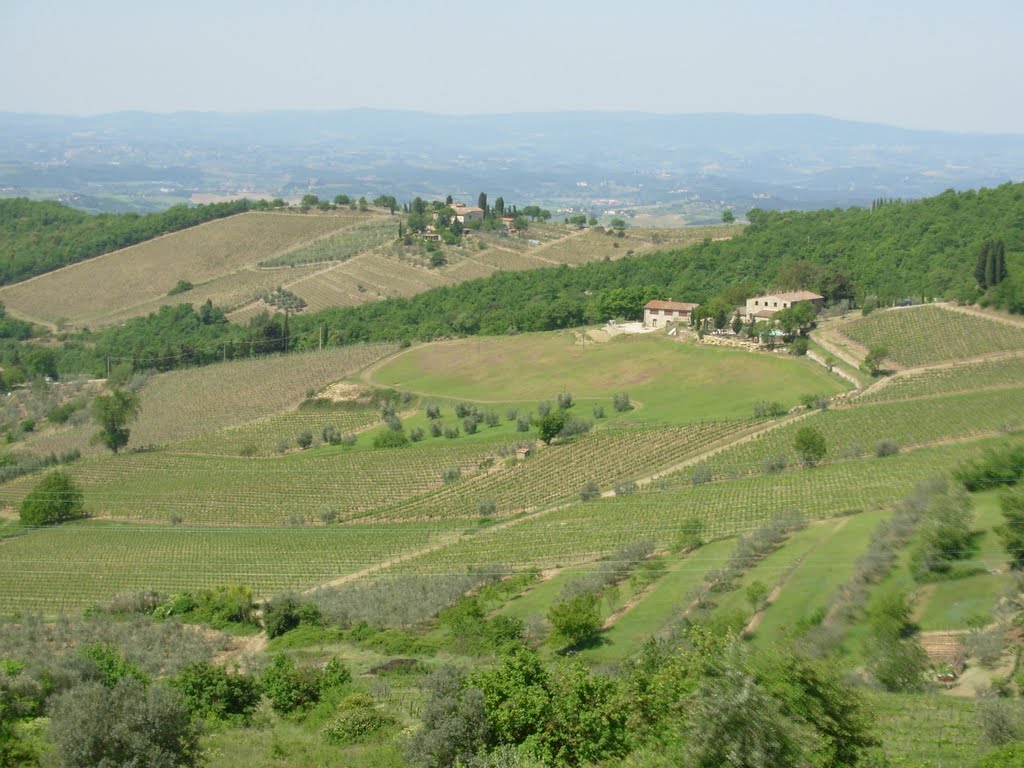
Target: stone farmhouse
{"type": "Point", "coordinates": [465, 214]}
{"type": "Point", "coordinates": [765, 307]}
{"type": "Point", "coordinates": [658, 314]}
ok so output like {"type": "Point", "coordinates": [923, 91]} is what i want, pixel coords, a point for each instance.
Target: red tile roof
{"type": "Point", "coordinates": [682, 306]}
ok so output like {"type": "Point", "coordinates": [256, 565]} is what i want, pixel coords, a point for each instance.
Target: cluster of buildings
{"type": "Point", "coordinates": [658, 314]}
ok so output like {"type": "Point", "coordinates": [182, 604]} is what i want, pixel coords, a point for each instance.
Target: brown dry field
{"type": "Point", "coordinates": [218, 257]}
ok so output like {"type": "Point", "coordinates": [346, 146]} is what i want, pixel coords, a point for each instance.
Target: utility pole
{"type": "Point", "coordinates": [108, 366]}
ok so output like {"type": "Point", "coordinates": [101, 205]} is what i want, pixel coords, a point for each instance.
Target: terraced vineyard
{"type": "Point", "coordinates": [928, 334]}
{"type": "Point", "coordinates": [101, 290]}
{"type": "Point", "coordinates": [266, 436]}
{"type": "Point", "coordinates": [557, 473]}
{"type": "Point", "coordinates": [584, 532]}
{"type": "Point", "coordinates": [857, 430]}
{"type": "Point", "coordinates": [961, 377]}
{"type": "Point", "coordinates": [364, 236]}
{"type": "Point", "coordinates": [76, 565]}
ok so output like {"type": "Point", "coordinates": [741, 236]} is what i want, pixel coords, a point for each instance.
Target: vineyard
{"type": "Point", "coordinates": [76, 565]}
{"type": "Point", "coordinates": [96, 291]}
{"type": "Point", "coordinates": [364, 236]}
{"type": "Point", "coordinates": [557, 473]}
{"type": "Point", "coordinates": [586, 531]}
{"type": "Point", "coordinates": [929, 334]}
{"type": "Point", "coordinates": [858, 430]}
{"type": "Point", "coordinates": [961, 377]}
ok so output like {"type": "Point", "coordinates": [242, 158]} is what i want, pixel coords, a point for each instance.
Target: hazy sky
{"type": "Point", "coordinates": [945, 64]}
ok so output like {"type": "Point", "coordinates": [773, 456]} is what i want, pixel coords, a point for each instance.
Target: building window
{"type": "Point", "coordinates": [775, 304]}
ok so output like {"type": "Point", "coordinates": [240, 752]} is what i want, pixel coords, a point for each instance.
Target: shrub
{"type": "Point", "coordinates": [799, 346]}
{"type": "Point", "coordinates": [229, 604]}
{"type": "Point", "coordinates": [416, 434]}
{"type": "Point", "coordinates": [598, 411]}
{"type": "Point", "coordinates": [209, 690]}
{"type": "Point", "coordinates": [356, 718]}
{"type": "Point", "coordinates": [336, 676]}
{"type": "Point", "coordinates": [451, 432]}
{"type": "Point", "coordinates": [451, 474]}
{"type": "Point", "coordinates": [304, 439]}
{"type": "Point", "coordinates": [331, 435]}
{"type": "Point", "coordinates": [462, 410]}
{"type": "Point", "coordinates": [810, 445]}
{"type": "Point", "coordinates": [349, 440]}
{"type": "Point", "coordinates": [775, 464]}
{"type": "Point", "coordinates": [565, 400]}
{"type": "Point", "coordinates": [469, 425]}
{"type": "Point", "coordinates": [590, 490]}
{"type": "Point", "coordinates": [577, 618]}
{"type": "Point", "coordinates": [435, 428]}
{"type": "Point", "coordinates": [289, 687]}
{"type": "Point", "coordinates": [433, 411]}
{"type": "Point", "coordinates": [247, 451]}
{"type": "Point", "coordinates": [487, 507]}
{"type": "Point", "coordinates": [625, 487]}
{"type": "Point", "coordinates": [390, 439]}
{"type": "Point", "coordinates": [56, 498]}
{"type": "Point", "coordinates": [543, 408]}
{"type": "Point", "coordinates": [621, 403]}
{"type": "Point", "coordinates": [394, 423]}
{"type": "Point", "coordinates": [491, 419]}
{"type": "Point", "coordinates": [522, 424]}
{"type": "Point", "coordinates": [702, 473]}
{"type": "Point", "coordinates": [887, 448]}
{"type": "Point", "coordinates": [286, 612]}
{"type": "Point", "coordinates": [511, 413]}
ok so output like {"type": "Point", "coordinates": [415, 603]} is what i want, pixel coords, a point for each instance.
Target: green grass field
{"type": "Point", "coordinates": [668, 381]}
{"type": "Point", "coordinates": [928, 334]}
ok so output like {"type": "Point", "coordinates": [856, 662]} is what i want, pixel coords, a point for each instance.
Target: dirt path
{"type": "Point", "coordinates": [825, 336]}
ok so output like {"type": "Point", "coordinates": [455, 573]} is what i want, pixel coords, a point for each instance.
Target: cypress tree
{"type": "Point", "coordinates": [981, 267]}
{"type": "Point", "coordinates": [999, 266]}
{"type": "Point", "coordinates": [990, 267]}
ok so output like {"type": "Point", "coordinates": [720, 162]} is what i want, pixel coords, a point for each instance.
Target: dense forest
{"type": "Point", "coordinates": [37, 237]}
{"type": "Point", "coordinates": [892, 251]}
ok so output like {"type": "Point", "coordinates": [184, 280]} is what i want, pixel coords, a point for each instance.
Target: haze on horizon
{"type": "Point", "coordinates": [934, 65]}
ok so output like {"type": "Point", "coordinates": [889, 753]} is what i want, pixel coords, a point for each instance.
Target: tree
{"type": "Point", "coordinates": [54, 500]}
{"type": "Point", "coordinates": [209, 690]}
{"type": "Point", "coordinates": [128, 724]}
{"type": "Point", "coordinates": [576, 619]}
{"type": "Point", "coordinates": [113, 413]}
{"type": "Point", "coordinates": [499, 207]}
{"type": "Point", "coordinates": [1011, 532]}
{"type": "Point", "coordinates": [386, 201]}
{"type": "Point", "coordinates": [757, 591]}
{"type": "Point", "coordinates": [481, 202]}
{"type": "Point", "coordinates": [551, 425]}
{"type": "Point", "coordinates": [728, 217]}
{"type": "Point", "coordinates": [810, 445]}
{"type": "Point", "coordinates": [310, 201]}
{"type": "Point", "coordinates": [873, 359]}
{"type": "Point", "coordinates": [454, 722]}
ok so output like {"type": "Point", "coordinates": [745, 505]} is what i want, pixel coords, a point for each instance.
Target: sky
{"type": "Point", "coordinates": [942, 64]}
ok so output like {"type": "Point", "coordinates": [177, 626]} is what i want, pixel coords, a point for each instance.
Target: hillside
{"type": "Point", "coordinates": [683, 514]}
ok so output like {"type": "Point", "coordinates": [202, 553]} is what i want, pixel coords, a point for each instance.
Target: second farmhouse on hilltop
{"type": "Point", "coordinates": [658, 314]}
{"type": "Point", "coordinates": [765, 307]}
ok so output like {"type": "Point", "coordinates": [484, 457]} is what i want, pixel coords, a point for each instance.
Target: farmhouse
{"type": "Point", "coordinates": [658, 314]}
{"type": "Point", "coordinates": [464, 214]}
{"type": "Point", "coordinates": [764, 307]}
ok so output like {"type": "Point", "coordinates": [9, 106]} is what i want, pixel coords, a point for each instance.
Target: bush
{"type": "Point", "coordinates": [565, 400]}
{"type": "Point", "coordinates": [702, 474]}
{"type": "Point", "coordinates": [469, 425]}
{"type": "Point", "coordinates": [349, 440]}
{"type": "Point", "coordinates": [543, 408]}
{"type": "Point", "coordinates": [56, 498]}
{"type": "Point", "coordinates": [331, 435]}
{"type": "Point", "coordinates": [390, 439]}
{"type": "Point", "coordinates": [625, 487]}
{"type": "Point", "coordinates": [522, 424]}
{"type": "Point", "coordinates": [491, 419]}
{"type": "Point", "coordinates": [487, 507]}
{"type": "Point", "coordinates": [209, 690]}
{"type": "Point", "coordinates": [355, 719]}
{"type": "Point", "coordinates": [451, 432]}
{"type": "Point", "coordinates": [285, 613]}
{"type": "Point", "coordinates": [887, 448]}
{"type": "Point", "coordinates": [511, 413]}
{"type": "Point", "coordinates": [435, 428]}
{"type": "Point", "coordinates": [304, 439]}
{"type": "Point", "coordinates": [577, 618]}
{"type": "Point", "coordinates": [810, 445]}
{"type": "Point", "coordinates": [451, 474]}
{"type": "Point", "coordinates": [462, 410]}
{"type": "Point", "coordinates": [598, 411]}
{"type": "Point", "coordinates": [433, 411]}
{"type": "Point", "coordinates": [590, 490]}
{"type": "Point", "coordinates": [416, 434]}
{"type": "Point", "coordinates": [220, 606]}
{"type": "Point", "coordinates": [621, 403]}
{"type": "Point", "coordinates": [288, 687]}
{"type": "Point", "coordinates": [799, 346]}
{"type": "Point", "coordinates": [775, 464]}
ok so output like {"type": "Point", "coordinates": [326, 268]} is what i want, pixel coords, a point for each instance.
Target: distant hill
{"type": "Point", "coordinates": [693, 165]}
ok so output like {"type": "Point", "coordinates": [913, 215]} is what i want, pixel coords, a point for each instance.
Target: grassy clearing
{"type": "Point", "coordinates": [78, 564]}
{"type": "Point", "coordinates": [926, 729]}
{"type": "Point", "coordinates": [669, 381]}
{"type": "Point", "coordinates": [665, 599]}
{"type": "Point", "coordinates": [928, 334]}
{"type": "Point", "coordinates": [97, 291]}
{"type": "Point", "coordinates": [811, 585]}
